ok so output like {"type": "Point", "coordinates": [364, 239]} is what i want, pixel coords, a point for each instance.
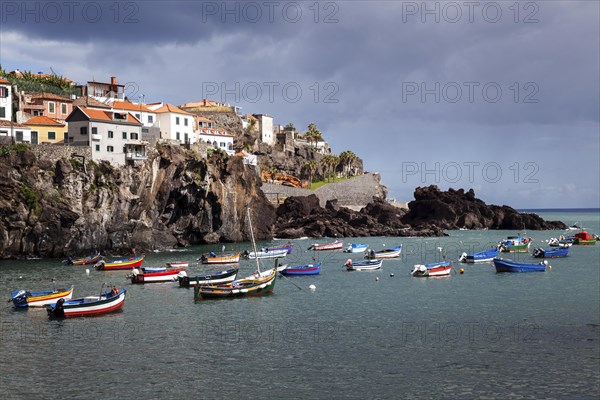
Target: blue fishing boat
{"type": "Point", "coordinates": [482, 256]}
{"type": "Point", "coordinates": [356, 248]}
{"type": "Point", "coordinates": [287, 247]}
{"type": "Point", "coordinates": [553, 252]}
{"type": "Point", "coordinates": [511, 266]}
{"type": "Point", "coordinates": [310, 269]}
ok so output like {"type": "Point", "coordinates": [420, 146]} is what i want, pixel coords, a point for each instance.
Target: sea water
{"type": "Point", "coordinates": [472, 335]}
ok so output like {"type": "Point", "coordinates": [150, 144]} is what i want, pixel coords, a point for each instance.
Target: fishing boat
{"type": "Point", "coordinates": [88, 306]}
{"type": "Point", "coordinates": [168, 275]}
{"type": "Point", "coordinates": [257, 284]}
{"type": "Point", "coordinates": [178, 264]}
{"type": "Point", "coordinates": [392, 252]}
{"type": "Point", "coordinates": [562, 242]}
{"type": "Point", "coordinates": [553, 252]}
{"type": "Point", "coordinates": [511, 266]}
{"type": "Point", "coordinates": [309, 269]}
{"type": "Point", "coordinates": [126, 263]}
{"type": "Point", "coordinates": [479, 257]}
{"type": "Point", "coordinates": [584, 238]}
{"type": "Point", "coordinates": [91, 259]}
{"type": "Point", "coordinates": [574, 227]}
{"type": "Point", "coordinates": [356, 248]}
{"type": "Point", "coordinates": [442, 268]}
{"type": "Point", "coordinates": [367, 265]}
{"type": "Point", "coordinates": [515, 244]}
{"type": "Point", "coordinates": [265, 253]}
{"type": "Point", "coordinates": [251, 286]}
{"type": "Point", "coordinates": [207, 279]}
{"type": "Point", "coordinates": [25, 298]}
{"type": "Point", "coordinates": [337, 245]}
{"type": "Point", "coordinates": [212, 258]}
{"type": "Point", "coordinates": [288, 247]}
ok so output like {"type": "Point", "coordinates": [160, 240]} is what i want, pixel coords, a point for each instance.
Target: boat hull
{"type": "Point", "coordinates": [225, 259]}
{"type": "Point", "coordinates": [310, 269]}
{"type": "Point", "coordinates": [432, 270]}
{"type": "Point", "coordinates": [585, 242]}
{"type": "Point", "coordinates": [553, 252]}
{"type": "Point", "coordinates": [328, 246]}
{"type": "Point", "coordinates": [178, 264]}
{"type": "Point", "coordinates": [356, 248]}
{"type": "Point", "coordinates": [511, 266]}
{"type": "Point", "coordinates": [393, 252]}
{"type": "Point", "coordinates": [239, 288]}
{"type": "Point", "coordinates": [92, 259]}
{"type": "Point", "coordinates": [207, 279]}
{"type": "Point", "coordinates": [156, 277]}
{"type": "Point", "coordinates": [268, 254]}
{"type": "Point", "coordinates": [87, 306]}
{"type": "Point", "coordinates": [120, 264]}
{"type": "Point", "coordinates": [363, 265]}
{"type": "Point", "coordinates": [22, 298]}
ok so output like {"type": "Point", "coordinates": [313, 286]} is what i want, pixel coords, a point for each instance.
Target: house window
{"type": "Point", "coordinates": [19, 135]}
{"type": "Point", "coordinates": [185, 122]}
{"type": "Point", "coordinates": [133, 136]}
{"type": "Point", "coordinates": [2, 112]}
{"type": "Point", "coordinates": [63, 108]}
{"type": "Point", "coordinates": [124, 135]}
{"type": "Point", "coordinates": [178, 136]}
{"type": "Point", "coordinates": [37, 113]}
{"type": "Point", "coordinates": [137, 116]}
{"type": "Point", "coordinates": [125, 149]}
{"type": "Point", "coordinates": [94, 130]}
{"type": "Point", "coordinates": [111, 134]}
{"type": "Point", "coordinates": [4, 133]}
{"type": "Point", "coordinates": [176, 120]}
{"type": "Point", "coordinates": [3, 92]}
{"type": "Point", "coordinates": [222, 144]}
{"type": "Point", "coordinates": [51, 135]}
{"type": "Point", "coordinates": [83, 130]}
{"type": "Point", "coordinates": [65, 137]}
{"type": "Point", "coordinates": [97, 147]}
{"type": "Point", "coordinates": [110, 149]}
{"type": "Point", "coordinates": [186, 137]}
{"type": "Point", "coordinates": [51, 107]}
{"type": "Point", "coordinates": [150, 119]}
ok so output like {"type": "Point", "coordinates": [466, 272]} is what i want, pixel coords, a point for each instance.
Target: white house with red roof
{"type": "Point", "coordinates": [20, 132]}
{"type": "Point", "coordinates": [5, 100]}
{"type": "Point", "coordinates": [175, 123]}
{"type": "Point", "coordinates": [112, 136]}
{"type": "Point", "coordinates": [105, 92]}
{"type": "Point", "coordinates": [219, 138]}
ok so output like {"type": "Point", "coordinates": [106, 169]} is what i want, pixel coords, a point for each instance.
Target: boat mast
{"type": "Point", "coordinates": [253, 241]}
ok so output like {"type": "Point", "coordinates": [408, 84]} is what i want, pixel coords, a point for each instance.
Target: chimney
{"type": "Point", "coordinates": [113, 80]}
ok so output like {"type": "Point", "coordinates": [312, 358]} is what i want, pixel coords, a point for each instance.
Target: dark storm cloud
{"type": "Point", "coordinates": [393, 69]}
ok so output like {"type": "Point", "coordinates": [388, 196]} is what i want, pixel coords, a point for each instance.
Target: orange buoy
{"type": "Point", "coordinates": [462, 271]}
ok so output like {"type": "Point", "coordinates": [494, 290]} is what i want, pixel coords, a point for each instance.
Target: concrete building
{"type": "Point", "coordinates": [46, 130]}
{"type": "Point", "coordinates": [175, 124]}
{"type": "Point", "coordinates": [6, 110]}
{"type": "Point", "coordinates": [265, 128]}
{"type": "Point", "coordinates": [112, 136]}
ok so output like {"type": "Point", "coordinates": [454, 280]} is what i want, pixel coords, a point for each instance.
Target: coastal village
{"type": "Point", "coordinates": [98, 121]}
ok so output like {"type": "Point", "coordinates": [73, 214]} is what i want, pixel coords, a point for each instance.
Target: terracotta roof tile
{"type": "Point", "coordinates": [43, 120]}
{"type": "Point", "coordinates": [13, 124]}
{"type": "Point", "coordinates": [102, 115]}
{"type": "Point", "coordinates": [50, 96]}
{"type": "Point", "coordinates": [172, 109]}
{"type": "Point", "coordinates": [4, 82]}
{"type": "Point", "coordinates": [129, 106]}
{"type": "Point", "coordinates": [87, 101]}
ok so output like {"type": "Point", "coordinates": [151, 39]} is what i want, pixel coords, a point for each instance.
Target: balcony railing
{"type": "Point", "coordinates": [135, 156]}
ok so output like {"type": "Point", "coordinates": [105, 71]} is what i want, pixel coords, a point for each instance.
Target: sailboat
{"type": "Point", "coordinates": [257, 284]}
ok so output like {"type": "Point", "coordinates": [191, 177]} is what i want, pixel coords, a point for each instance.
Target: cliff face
{"type": "Point", "coordinates": [455, 209]}
{"type": "Point", "coordinates": [174, 199]}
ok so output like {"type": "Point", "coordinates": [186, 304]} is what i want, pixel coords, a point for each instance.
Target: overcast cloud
{"type": "Point", "coordinates": [511, 103]}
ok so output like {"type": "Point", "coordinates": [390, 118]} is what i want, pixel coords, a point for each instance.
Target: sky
{"type": "Point", "coordinates": [499, 96]}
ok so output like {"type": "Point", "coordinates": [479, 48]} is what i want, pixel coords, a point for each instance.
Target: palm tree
{"type": "Point", "coordinates": [310, 167]}
{"type": "Point", "coordinates": [313, 134]}
{"type": "Point", "coordinates": [347, 158]}
{"type": "Point", "coordinates": [329, 162]}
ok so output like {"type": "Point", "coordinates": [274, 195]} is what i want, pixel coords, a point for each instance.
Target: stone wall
{"type": "Point", "coordinates": [54, 153]}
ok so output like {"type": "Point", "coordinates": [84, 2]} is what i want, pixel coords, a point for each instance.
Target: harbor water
{"type": "Point", "coordinates": [381, 334]}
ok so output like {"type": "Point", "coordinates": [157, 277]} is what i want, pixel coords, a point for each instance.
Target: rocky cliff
{"type": "Point", "coordinates": [455, 209]}
{"type": "Point", "coordinates": [432, 212]}
{"type": "Point", "coordinates": [176, 198]}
